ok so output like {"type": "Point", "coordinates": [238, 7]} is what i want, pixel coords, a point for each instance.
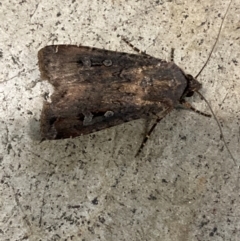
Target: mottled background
{"type": "Point", "coordinates": [183, 186]}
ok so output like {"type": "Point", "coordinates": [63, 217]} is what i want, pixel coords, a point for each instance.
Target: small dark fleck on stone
{"type": "Point", "coordinates": [95, 201]}
{"type": "Point", "coordinates": [235, 61]}
{"type": "Point", "coordinates": [90, 229]}
{"type": "Point", "coordinates": [134, 210]}
{"type": "Point", "coordinates": [183, 137]}
{"type": "Point", "coordinates": [101, 219]}
{"type": "Point", "coordinates": [151, 197]}
{"type": "Point", "coordinates": [164, 181]}
{"type": "Point", "coordinates": [203, 224]}
{"type": "Point", "coordinates": [9, 147]}
{"type": "Point", "coordinates": [201, 41]}
{"type": "Point", "coordinates": [58, 14]}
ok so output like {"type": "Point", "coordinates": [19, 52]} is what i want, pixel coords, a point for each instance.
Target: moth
{"type": "Point", "coordinates": [97, 89]}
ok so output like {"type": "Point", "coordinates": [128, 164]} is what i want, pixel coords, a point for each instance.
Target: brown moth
{"type": "Point", "coordinates": [96, 89]}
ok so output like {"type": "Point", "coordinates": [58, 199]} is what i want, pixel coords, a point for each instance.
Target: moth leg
{"type": "Point", "coordinates": [148, 135]}
{"type": "Point", "coordinates": [135, 48]}
{"type": "Point", "coordinates": [187, 105]}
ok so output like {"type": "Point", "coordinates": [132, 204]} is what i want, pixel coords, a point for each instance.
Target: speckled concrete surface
{"type": "Point", "coordinates": [183, 186]}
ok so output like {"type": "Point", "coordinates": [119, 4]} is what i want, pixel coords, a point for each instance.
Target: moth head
{"type": "Point", "coordinates": [192, 86]}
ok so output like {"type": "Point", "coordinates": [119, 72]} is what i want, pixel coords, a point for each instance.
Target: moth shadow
{"type": "Point", "coordinates": [34, 130]}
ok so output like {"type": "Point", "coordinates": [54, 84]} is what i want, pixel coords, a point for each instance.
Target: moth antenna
{"type": "Point", "coordinates": [210, 55]}
{"type": "Point", "coordinates": [219, 32]}
{"type": "Point", "coordinates": [219, 126]}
